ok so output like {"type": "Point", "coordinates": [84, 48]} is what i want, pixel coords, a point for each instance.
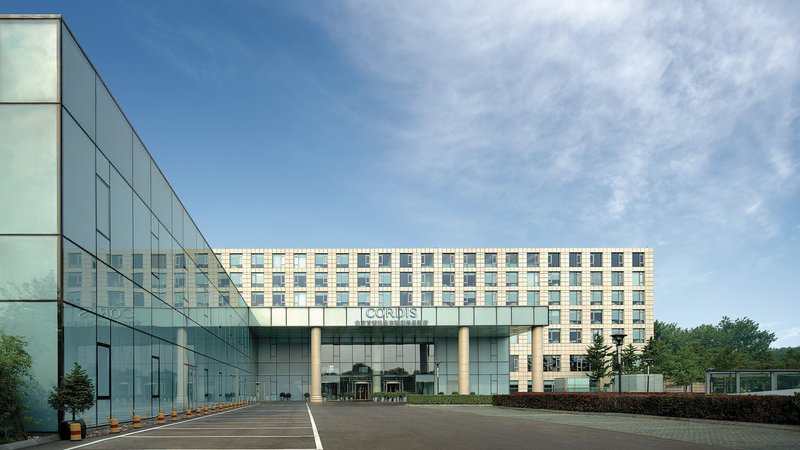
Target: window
{"type": "Point", "coordinates": [597, 332]}
{"type": "Point", "coordinates": [575, 298]}
{"type": "Point", "coordinates": [554, 316]}
{"type": "Point", "coordinates": [448, 260]}
{"type": "Point", "coordinates": [554, 260]}
{"type": "Point", "coordinates": [321, 260]}
{"type": "Point", "coordinates": [138, 261]}
{"type": "Point", "coordinates": [579, 363]}
{"type": "Point", "coordinates": [406, 279]}
{"type": "Point", "coordinates": [406, 298]}
{"type": "Point", "coordinates": [448, 298]}
{"type": "Point", "coordinates": [362, 260]}
{"type": "Point", "coordinates": [469, 259]}
{"type": "Point", "coordinates": [596, 279]}
{"type": "Point", "coordinates": [575, 316]}
{"type": "Point", "coordinates": [617, 259]}
{"type": "Point", "coordinates": [638, 335]}
{"type": "Point", "coordinates": [617, 331]}
{"type": "Point", "coordinates": [469, 279]}
{"type": "Point", "coordinates": [512, 259]}
{"type": "Point", "coordinates": [363, 279]}
{"type": "Point", "coordinates": [257, 260]}
{"type": "Point", "coordinates": [321, 279]}
{"type": "Point", "coordinates": [554, 278]}
{"type": "Point", "coordinates": [512, 298]}
{"type": "Point", "coordinates": [574, 259]}
{"type": "Point", "coordinates": [551, 363]}
{"type": "Point", "coordinates": [427, 279]}
{"type": "Point", "coordinates": [320, 299]}
{"type": "Point", "coordinates": [574, 278]}
{"type": "Point", "coordinates": [638, 278]}
{"type": "Point", "coordinates": [490, 279]}
{"type": "Point", "coordinates": [513, 363]}
{"type": "Point", "coordinates": [554, 335]}
{"type": "Point", "coordinates": [300, 279]}
{"type": "Point", "coordinates": [532, 259]}
{"type": "Point", "coordinates": [277, 260]}
{"type": "Point", "coordinates": [596, 316]}
{"type": "Point", "coordinates": [299, 299]}
{"type": "Point", "coordinates": [638, 297]}
{"type": "Point", "coordinates": [384, 260]}
{"type": "Point", "coordinates": [222, 280]}
{"type": "Point", "coordinates": [533, 279]}
{"type": "Point", "coordinates": [617, 298]}
{"type": "Point", "coordinates": [74, 279]}
{"type": "Point", "coordinates": [575, 336]}
{"type": "Point", "coordinates": [596, 298]}
{"type": "Point", "coordinates": [406, 260]}
{"type": "Point", "coordinates": [427, 298]}
{"type": "Point", "coordinates": [490, 260]}
{"type": "Point", "coordinates": [385, 298]}
{"type": "Point", "coordinates": [278, 280]}
{"type": "Point", "coordinates": [224, 299]}
{"type": "Point", "coordinates": [180, 280]}
{"type": "Point", "coordinates": [512, 278]}
{"type": "Point", "coordinates": [300, 261]}
{"type": "Point", "coordinates": [448, 279]}
{"type": "Point", "coordinates": [469, 298]}
{"type": "Point", "coordinates": [384, 279]}
{"type": "Point", "coordinates": [236, 279]}
{"type": "Point", "coordinates": [236, 260]}
{"type": "Point", "coordinates": [427, 260]}
{"type": "Point", "coordinates": [554, 298]}
{"type": "Point", "coordinates": [638, 259]}
{"type": "Point", "coordinates": [278, 299]}
{"type": "Point", "coordinates": [363, 299]}
{"type": "Point", "coordinates": [342, 279]}
{"type": "Point", "coordinates": [638, 316]}
{"type": "Point", "coordinates": [533, 298]}
{"type": "Point", "coordinates": [617, 316]}
{"type": "Point", "coordinates": [596, 259]}
{"type": "Point", "coordinates": [342, 299]}
{"type": "Point", "coordinates": [617, 279]}
{"type": "Point", "coordinates": [342, 260]}
{"type": "Point", "coordinates": [490, 298]}
{"type": "Point", "coordinates": [257, 279]}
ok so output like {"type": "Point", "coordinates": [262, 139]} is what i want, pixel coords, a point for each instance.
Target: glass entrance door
{"type": "Point", "coordinates": [392, 386]}
{"type": "Point", "coordinates": [362, 391]}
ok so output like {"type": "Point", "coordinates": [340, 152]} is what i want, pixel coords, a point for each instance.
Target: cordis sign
{"type": "Point", "coordinates": [389, 313]}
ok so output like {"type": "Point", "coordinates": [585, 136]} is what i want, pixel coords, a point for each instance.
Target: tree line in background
{"type": "Point", "coordinates": [683, 355]}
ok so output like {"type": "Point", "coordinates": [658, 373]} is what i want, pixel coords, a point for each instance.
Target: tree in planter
{"type": "Point", "coordinates": [597, 355]}
{"type": "Point", "coordinates": [75, 394]}
{"type": "Point", "coordinates": [15, 366]}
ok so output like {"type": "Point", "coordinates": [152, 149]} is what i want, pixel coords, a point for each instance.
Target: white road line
{"type": "Point", "coordinates": [225, 437]}
{"type": "Point", "coordinates": [234, 428]}
{"type": "Point", "coordinates": [314, 426]}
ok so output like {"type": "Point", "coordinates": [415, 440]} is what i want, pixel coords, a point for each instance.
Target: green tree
{"type": "Point", "coordinates": [75, 393]}
{"type": "Point", "coordinates": [597, 355]}
{"type": "Point", "coordinates": [630, 359]}
{"type": "Point", "coordinates": [687, 366]}
{"type": "Point", "coordinates": [15, 367]}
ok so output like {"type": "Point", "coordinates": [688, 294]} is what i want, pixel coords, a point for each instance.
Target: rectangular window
{"type": "Point", "coordinates": [513, 363]}
{"type": "Point", "coordinates": [406, 298]}
{"type": "Point", "coordinates": [236, 260]}
{"type": "Point", "coordinates": [617, 331]}
{"type": "Point", "coordinates": [256, 298]}
{"type": "Point", "coordinates": [574, 278]}
{"type": "Point", "coordinates": [406, 260]}
{"type": "Point", "coordinates": [596, 259]}
{"type": "Point", "coordinates": [342, 299]}
{"type": "Point", "coordinates": [533, 279]}
{"type": "Point", "coordinates": [490, 259]}
{"type": "Point", "coordinates": [596, 316]}
{"type": "Point", "coordinates": [554, 316]}
{"type": "Point", "coordinates": [638, 316]}
{"type": "Point", "coordinates": [512, 259]}
{"type": "Point", "coordinates": [512, 298]}
{"type": "Point", "coordinates": [638, 278]}
{"type": "Point", "coordinates": [512, 278]}
{"type": "Point", "coordinates": [103, 371]}
{"type": "Point", "coordinates": [575, 316]}
{"type": "Point", "coordinates": [469, 298]}
{"type": "Point", "coordinates": [554, 260]}
{"type": "Point", "coordinates": [180, 280]}
{"type": "Point", "coordinates": [469, 259]}
{"type": "Point", "coordinates": [236, 279]}
{"type": "Point", "coordinates": [427, 298]}
{"type": "Point", "coordinates": [490, 298]}
{"type": "Point", "coordinates": [342, 279]}
{"type": "Point", "coordinates": [469, 279]}
{"type": "Point", "coordinates": [202, 260]}
{"type": "Point", "coordinates": [579, 363]}
{"type": "Point", "coordinates": [448, 298]}
{"type": "Point", "coordinates": [638, 297]}
{"type": "Point", "coordinates": [596, 278]}
{"type": "Point", "coordinates": [385, 279]}
{"type": "Point", "coordinates": [554, 298]}
{"type": "Point", "coordinates": [300, 261]}
{"type": "Point", "coordinates": [321, 299]}
{"type": "Point", "coordinates": [406, 279]}
{"type": "Point", "coordinates": [638, 259]}
{"type": "Point", "coordinates": [596, 298]}
{"type": "Point", "coordinates": [554, 278]}
{"type": "Point", "coordinates": [596, 332]}
{"type": "Point", "coordinates": [363, 279]}
{"type": "Point", "coordinates": [300, 279]}
{"type": "Point", "coordinates": [617, 259]}
{"type": "Point", "coordinates": [448, 279]}
{"type": "Point", "coordinates": [574, 259]}
{"type": "Point", "coordinates": [617, 298]}
{"type": "Point", "coordinates": [554, 335]}
{"type": "Point", "coordinates": [551, 363]}
{"type": "Point", "coordinates": [385, 298]}
{"type": "Point", "coordinates": [362, 260]}
{"type": "Point", "coordinates": [180, 261]}
{"type": "Point", "coordinates": [617, 317]}
{"type": "Point", "coordinates": [448, 260]}
{"type": "Point", "coordinates": [363, 299]}
{"type": "Point", "coordinates": [342, 260]}
{"type": "Point", "coordinates": [277, 260]}
{"type": "Point", "coordinates": [575, 298]}
{"type": "Point", "coordinates": [638, 335]}
{"type": "Point", "coordinates": [278, 299]}
{"type": "Point", "coordinates": [257, 260]}
{"type": "Point", "coordinates": [278, 280]}
{"type": "Point", "coordinates": [257, 279]}
{"type": "Point", "coordinates": [222, 280]}
{"type": "Point", "coordinates": [617, 278]}
{"type": "Point", "coordinates": [427, 260]}
{"type": "Point", "coordinates": [384, 260]}
{"type": "Point", "coordinates": [575, 336]}
{"type": "Point", "coordinates": [321, 279]}
{"type": "Point", "coordinates": [138, 261]}
{"type": "Point", "coordinates": [321, 260]}
{"type": "Point", "coordinates": [532, 259]}
{"type": "Point", "coordinates": [533, 298]}
{"type": "Point", "coordinates": [490, 279]}
{"type": "Point", "coordinates": [427, 279]}
{"type": "Point", "coordinates": [299, 299]}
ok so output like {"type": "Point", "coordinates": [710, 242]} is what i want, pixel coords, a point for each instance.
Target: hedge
{"type": "Point", "coordinates": [420, 399]}
{"type": "Point", "coordinates": [741, 408]}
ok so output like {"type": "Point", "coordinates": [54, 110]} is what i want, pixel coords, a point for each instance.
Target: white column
{"type": "Point", "coordinates": [316, 366]}
{"type": "Point", "coordinates": [463, 360]}
{"type": "Point", "coordinates": [180, 361]}
{"type": "Point", "coordinates": [537, 376]}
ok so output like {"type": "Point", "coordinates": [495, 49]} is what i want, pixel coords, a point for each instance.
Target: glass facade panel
{"type": "Point", "coordinates": [28, 267]}
{"type": "Point", "coordinates": [29, 60]}
{"type": "Point", "coordinates": [78, 156]}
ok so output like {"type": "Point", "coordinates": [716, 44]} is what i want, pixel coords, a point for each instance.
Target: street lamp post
{"type": "Point", "coordinates": [258, 390]}
{"type": "Point", "coordinates": [647, 363]}
{"type": "Point", "coordinates": [618, 338]}
{"type": "Point", "coordinates": [436, 378]}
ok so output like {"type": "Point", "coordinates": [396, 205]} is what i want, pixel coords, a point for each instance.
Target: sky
{"type": "Point", "coordinates": [671, 125]}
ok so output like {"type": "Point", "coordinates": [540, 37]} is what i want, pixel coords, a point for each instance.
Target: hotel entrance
{"type": "Point", "coordinates": [362, 390]}
{"type": "Point", "coordinates": [393, 386]}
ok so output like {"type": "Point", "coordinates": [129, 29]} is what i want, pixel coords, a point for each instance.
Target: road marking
{"type": "Point", "coordinates": [161, 436]}
{"type": "Point", "coordinates": [314, 426]}
{"type": "Point", "coordinates": [235, 428]}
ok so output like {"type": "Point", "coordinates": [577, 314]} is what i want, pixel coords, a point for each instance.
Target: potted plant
{"type": "Point", "coordinates": [288, 396]}
{"type": "Point", "coordinates": [75, 394]}
{"type": "Point", "coordinates": [306, 396]}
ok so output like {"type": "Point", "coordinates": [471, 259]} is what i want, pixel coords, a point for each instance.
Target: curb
{"type": "Point", "coordinates": [39, 440]}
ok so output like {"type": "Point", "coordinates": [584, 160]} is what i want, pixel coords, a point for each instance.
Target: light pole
{"type": "Point", "coordinates": [647, 363]}
{"type": "Point", "coordinates": [258, 390]}
{"type": "Point", "coordinates": [618, 338]}
{"type": "Point", "coordinates": [436, 378]}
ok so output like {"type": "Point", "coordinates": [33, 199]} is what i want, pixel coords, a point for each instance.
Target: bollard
{"type": "Point", "coordinates": [113, 425]}
{"type": "Point", "coordinates": [199, 411]}
{"type": "Point", "coordinates": [188, 413]}
{"type": "Point", "coordinates": [75, 431]}
{"type": "Point", "coordinates": [205, 410]}
{"type": "Point", "coordinates": [161, 420]}
{"type": "Point", "coordinates": [214, 408]}
{"type": "Point", "coordinates": [174, 416]}
{"type": "Point", "coordinates": [137, 421]}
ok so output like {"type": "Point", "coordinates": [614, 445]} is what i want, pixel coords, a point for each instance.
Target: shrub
{"type": "Point", "coordinates": [742, 408]}
{"type": "Point", "coordinates": [75, 393]}
{"type": "Point", "coordinates": [441, 399]}
{"type": "Point", "coordinates": [15, 366]}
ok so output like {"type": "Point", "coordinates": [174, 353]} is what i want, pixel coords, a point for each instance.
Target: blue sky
{"type": "Point", "coordinates": [673, 125]}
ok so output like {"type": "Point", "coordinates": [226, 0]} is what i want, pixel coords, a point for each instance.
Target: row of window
{"type": "Point", "coordinates": [363, 260]}
{"type": "Point", "coordinates": [576, 334]}
{"type": "Point", "coordinates": [552, 363]}
{"type": "Point", "coordinates": [426, 279]}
